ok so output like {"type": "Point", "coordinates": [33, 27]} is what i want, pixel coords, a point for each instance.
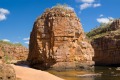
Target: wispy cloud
{"type": "Point", "coordinates": [105, 19]}
{"type": "Point", "coordinates": [85, 1]}
{"type": "Point", "coordinates": [6, 40]}
{"type": "Point", "coordinates": [96, 5]}
{"type": "Point", "coordinates": [27, 42]}
{"type": "Point", "coordinates": [3, 13]}
{"type": "Point", "coordinates": [88, 3]}
{"type": "Point", "coordinates": [101, 15]}
{"type": "Point", "coordinates": [85, 5]}
{"type": "Point", "coordinates": [26, 38]}
{"type": "Point", "coordinates": [111, 18]}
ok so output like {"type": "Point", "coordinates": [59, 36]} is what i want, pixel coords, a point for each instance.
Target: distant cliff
{"type": "Point", "coordinates": [58, 41]}
{"type": "Point", "coordinates": [106, 43]}
{"type": "Point", "coordinates": [10, 51]}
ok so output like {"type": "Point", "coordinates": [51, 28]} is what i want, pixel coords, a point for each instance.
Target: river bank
{"type": "Point", "coordinates": [26, 73]}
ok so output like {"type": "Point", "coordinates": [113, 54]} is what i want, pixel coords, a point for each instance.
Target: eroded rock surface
{"type": "Point", "coordinates": [12, 52]}
{"type": "Point", "coordinates": [58, 41]}
{"type": "Point", "coordinates": [107, 47]}
{"type": "Point", "coordinates": [7, 72]}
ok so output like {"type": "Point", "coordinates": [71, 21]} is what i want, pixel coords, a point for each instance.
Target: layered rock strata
{"type": "Point", "coordinates": [13, 52]}
{"type": "Point", "coordinates": [107, 47]}
{"type": "Point", "coordinates": [58, 41]}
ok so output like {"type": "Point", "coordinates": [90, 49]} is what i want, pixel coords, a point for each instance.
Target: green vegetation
{"type": "Point", "coordinates": [9, 43]}
{"type": "Point", "coordinates": [99, 31]}
{"type": "Point", "coordinates": [7, 59]}
{"type": "Point", "coordinates": [60, 5]}
{"type": "Point", "coordinates": [63, 7]}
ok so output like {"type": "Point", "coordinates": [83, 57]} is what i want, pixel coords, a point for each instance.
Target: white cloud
{"type": "Point", "coordinates": [85, 5]}
{"type": "Point", "coordinates": [2, 17]}
{"type": "Point", "coordinates": [85, 1]}
{"type": "Point", "coordinates": [26, 38]}
{"type": "Point", "coordinates": [88, 3]}
{"type": "Point", "coordinates": [27, 42]}
{"type": "Point", "coordinates": [96, 5]}
{"type": "Point", "coordinates": [3, 13]}
{"type": "Point", "coordinates": [101, 15]}
{"type": "Point", "coordinates": [105, 20]}
{"type": "Point", "coordinates": [111, 18]}
{"type": "Point", "coordinates": [6, 40]}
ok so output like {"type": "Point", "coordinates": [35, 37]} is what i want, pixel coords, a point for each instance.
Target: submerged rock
{"type": "Point", "coordinates": [118, 68]}
{"type": "Point", "coordinates": [90, 75]}
{"type": "Point", "coordinates": [58, 41]}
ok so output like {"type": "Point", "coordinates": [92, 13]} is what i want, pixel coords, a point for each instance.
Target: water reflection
{"type": "Point", "coordinates": [107, 73]}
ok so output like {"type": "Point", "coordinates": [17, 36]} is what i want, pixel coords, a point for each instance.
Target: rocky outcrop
{"type": "Point", "coordinates": [58, 41]}
{"type": "Point", "coordinates": [11, 51]}
{"type": "Point", "coordinates": [7, 72]}
{"type": "Point", "coordinates": [107, 47]}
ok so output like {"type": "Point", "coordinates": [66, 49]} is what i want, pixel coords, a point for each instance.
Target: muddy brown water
{"type": "Point", "coordinates": [106, 73]}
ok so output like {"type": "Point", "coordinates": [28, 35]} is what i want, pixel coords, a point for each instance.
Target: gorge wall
{"type": "Point", "coordinates": [9, 51]}
{"type": "Point", "coordinates": [58, 41]}
{"type": "Point", "coordinates": [107, 47]}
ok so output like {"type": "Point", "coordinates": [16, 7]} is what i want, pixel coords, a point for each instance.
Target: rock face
{"type": "Point", "coordinates": [58, 41]}
{"type": "Point", "coordinates": [107, 47]}
{"type": "Point", "coordinates": [12, 52]}
{"type": "Point", "coordinates": [7, 72]}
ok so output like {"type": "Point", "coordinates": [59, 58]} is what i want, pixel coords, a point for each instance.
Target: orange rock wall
{"type": "Point", "coordinates": [57, 36]}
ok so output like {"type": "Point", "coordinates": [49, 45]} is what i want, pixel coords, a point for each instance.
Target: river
{"type": "Point", "coordinates": [100, 73]}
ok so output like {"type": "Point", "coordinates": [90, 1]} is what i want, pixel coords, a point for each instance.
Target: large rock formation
{"type": "Point", "coordinates": [107, 46]}
{"type": "Point", "coordinates": [10, 51]}
{"type": "Point", "coordinates": [58, 41]}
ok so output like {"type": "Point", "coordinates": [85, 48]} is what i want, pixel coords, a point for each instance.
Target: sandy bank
{"type": "Point", "coordinates": [26, 73]}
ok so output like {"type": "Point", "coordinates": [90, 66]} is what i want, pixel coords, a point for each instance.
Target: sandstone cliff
{"type": "Point", "coordinates": [58, 41]}
{"type": "Point", "coordinates": [10, 51]}
{"type": "Point", "coordinates": [106, 44]}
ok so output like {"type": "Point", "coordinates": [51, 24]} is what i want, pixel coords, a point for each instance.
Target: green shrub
{"type": "Point", "coordinates": [7, 59]}
{"type": "Point", "coordinates": [9, 43]}
{"type": "Point", "coordinates": [60, 6]}
{"type": "Point", "coordinates": [98, 31]}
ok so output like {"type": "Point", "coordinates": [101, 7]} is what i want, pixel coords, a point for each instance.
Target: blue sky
{"type": "Point", "coordinates": [17, 16]}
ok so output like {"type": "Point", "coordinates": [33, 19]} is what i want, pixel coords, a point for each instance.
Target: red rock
{"type": "Point", "coordinates": [57, 36]}
{"type": "Point", "coordinates": [13, 52]}
{"type": "Point", "coordinates": [107, 47]}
